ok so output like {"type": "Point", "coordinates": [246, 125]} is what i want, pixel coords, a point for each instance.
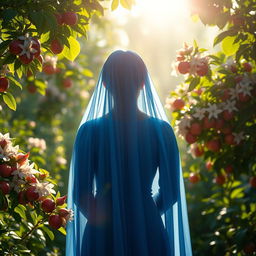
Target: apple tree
{"type": "Point", "coordinates": [214, 112]}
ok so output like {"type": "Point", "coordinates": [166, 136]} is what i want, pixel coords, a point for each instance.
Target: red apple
{"type": "Point", "coordinates": [247, 67]}
{"type": "Point", "coordinates": [48, 205]}
{"type": "Point", "coordinates": [70, 18]}
{"type": "Point", "coordinates": [243, 98]}
{"type": "Point", "coordinates": [22, 198]}
{"type": "Point", "coordinates": [5, 170]}
{"type": "Point", "coordinates": [63, 212]}
{"type": "Point", "coordinates": [67, 82]}
{"type": "Point", "coordinates": [190, 138]}
{"type": "Point", "coordinates": [31, 194]}
{"type": "Point", "coordinates": [37, 46]}
{"type": "Point", "coordinates": [194, 178]}
{"type": "Point", "coordinates": [220, 179]}
{"type": "Point", "coordinates": [25, 59]}
{"type": "Point", "coordinates": [252, 181]}
{"type": "Point", "coordinates": [227, 115]}
{"type": "Point", "coordinates": [195, 128]}
{"type": "Point", "coordinates": [61, 200]}
{"type": "Point", "coordinates": [5, 187]}
{"type": "Point", "coordinates": [59, 18]}
{"type": "Point", "coordinates": [55, 221]}
{"type": "Point", "coordinates": [14, 47]}
{"type": "Point", "coordinates": [184, 67]}
{"type": "Point", "coordinates": [48, 69]}
{"type": "Point", "coordinates": [208, 123]}
{"type": "Point", "coordinates": [219, 124]}
{"type": "Point", "coordinates": [213, 145]}
{"type": "Point", "coordinates": [178, 104]}
{"type": "Point", "coordinates": [56, 47]}
{"type": "Point", "coordinates": [202, 70]}
{"type": "Point", "coordinates": [197, 151]}
{"type": "Point", "coordinates": [229, 139]}
{"type": "Point", "coordinates": [4, 84]}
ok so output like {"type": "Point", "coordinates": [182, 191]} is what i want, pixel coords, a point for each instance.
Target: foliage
{"type": "Point", "coordinates": [48, 88]}
{"type": "Point", "coordinates": [30, 30]}
{"type": "Point", "coordinates": [27, 202]}
{"type": "Point", "coordinates": [214, 112]}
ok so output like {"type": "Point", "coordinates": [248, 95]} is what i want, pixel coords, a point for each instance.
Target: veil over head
{"type": "Point", "coordinates": [125, 156]}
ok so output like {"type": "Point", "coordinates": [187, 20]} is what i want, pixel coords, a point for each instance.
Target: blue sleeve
{"type": "Point", "coordinates": [84, 167]}
{"type": "Point", "coordinates": [169, 168]}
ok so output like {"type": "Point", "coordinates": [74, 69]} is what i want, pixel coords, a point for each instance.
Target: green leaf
{"type": "Point", "coordinates": [228, 46]}
{"type": "Point", "coordinates": [10, 58]}
{"type": "Point", "coordinates": [48, 232]}
{"type": "Point", "coordinates": [127, 4]}
{"type": "Point", "coordinates": [45, 37]}
{"type": "Point", "coordinates": [9, 100]}
{"type": "Point", "coordinates": [21, 210]}
{"type": "Point", "coordinates": [33, 215]}
{"type": "Point", "coordinates": [62, 230]}
{"type": "Point", "coordinates": [41, 86]}
{"type": "Point", "coordinates": [87, 72]}
{"type": "Point", "coordinates": [4, 45]}
{"type": "Point", "coordinates": [237, 193]}
{"type": "Point", "coordinates": [194, 82]}
{"type": "Point", "coordinates": [74, 50]}
{"type": "Point", "coordinates": [38, 19]}
{"type": "Point", "coordinates": [114, 4]}
{"type": "Point", "coordinates": [223, 35]}
{"type": "Point", "coordinates": [17, 83]}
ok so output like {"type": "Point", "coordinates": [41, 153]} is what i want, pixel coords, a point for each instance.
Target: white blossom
{"type": "Point", "coordinates": [199, 113]}
{"type": "Point", "coordinates": [25, 170]}
{"type": "Point", "coordinates": [245, 86]}
{"type": "Point", "coordinates": [233, 92]}
{"type": "Point", "coordinates": [70, 216]}
{"type": "Point", "coordinates": [38, 143]}
{"type": "Point", "coordinates": [44, 188]}
{"type": "Point", "coordinates": [182, 125]}
{"type": "Point", "coordinates": [61, 160]}
{"type": "Point", "coordinates": [229, 63]}
{"type": "Point", "coordinates": [9, 151]}
{"type": "Point", "coordinates": [213, 110]}
{"type": "Point", "coordinates": [230, 105]}
{"type": "Point", "coordinates": [238, 137]}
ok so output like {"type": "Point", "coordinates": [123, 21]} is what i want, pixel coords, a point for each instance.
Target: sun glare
{"type": "Point", "coordinates": [157, 13]}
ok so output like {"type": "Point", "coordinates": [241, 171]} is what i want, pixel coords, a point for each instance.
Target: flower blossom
{"type": "Point", "coordinates": [213, 110]}
{"type": "Point", "coordinates": [44, 188]}
{"type": "Point", "coordinates": [38, 143]}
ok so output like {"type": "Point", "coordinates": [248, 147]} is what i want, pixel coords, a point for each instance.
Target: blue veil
{"type": "Point", "coordinates": [125, 183]}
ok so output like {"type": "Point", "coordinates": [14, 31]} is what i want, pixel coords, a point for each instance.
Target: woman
{"type": "Point", "coordinates": [123, 144]}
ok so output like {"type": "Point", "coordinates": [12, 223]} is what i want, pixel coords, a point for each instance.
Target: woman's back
{"type": "Point", "coordinates": [121, 142]}
{"type": "Point", "coordinates": [143, 146]}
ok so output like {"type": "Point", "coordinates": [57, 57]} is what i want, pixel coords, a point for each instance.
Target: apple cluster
{"type": "Point", "coordinates": [31, 187]}
{"type": "Point", "coordinates": [189, 61]}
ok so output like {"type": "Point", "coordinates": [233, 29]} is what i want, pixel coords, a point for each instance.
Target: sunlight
{"type": "Point", "coordinates": [156, 13]}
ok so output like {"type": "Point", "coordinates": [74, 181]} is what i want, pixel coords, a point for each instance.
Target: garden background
{"type": "Point", "coordinates": [201, 56]}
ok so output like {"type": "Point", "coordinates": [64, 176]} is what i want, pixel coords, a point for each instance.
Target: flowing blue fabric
{"type": "Point", "coordinates": [125, 184]}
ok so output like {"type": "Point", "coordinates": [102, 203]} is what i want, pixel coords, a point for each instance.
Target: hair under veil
{"type": "Point", "coordinates": [125, 183]}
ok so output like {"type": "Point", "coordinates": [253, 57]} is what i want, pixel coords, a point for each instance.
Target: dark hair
{"type": "Point", "coordinates": [124, 69]}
